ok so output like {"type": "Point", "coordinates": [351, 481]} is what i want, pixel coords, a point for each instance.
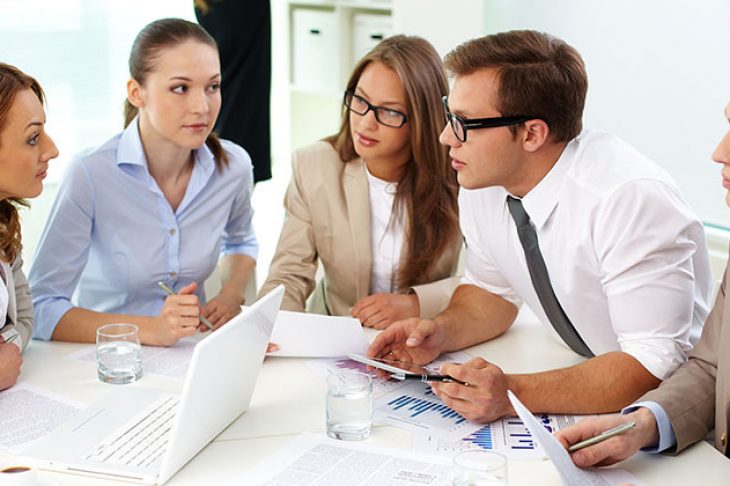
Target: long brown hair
{"type": "Point", "coordinates": [12, 81]}
{"type": "Point", "coordinates": [428, 188]}
{"type": "Point", "coordinates": [154, 38]}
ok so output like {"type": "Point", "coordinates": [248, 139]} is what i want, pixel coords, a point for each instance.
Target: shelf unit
{"type": "Point", "coordinates": [321, 57]}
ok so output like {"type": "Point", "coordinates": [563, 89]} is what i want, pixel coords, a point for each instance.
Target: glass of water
{"type": "Point", "coordinates": [480, 468]}
{"type": "Point", "coordinates": [118, 353]}
{"type": "Point", "coordinates": [349, 405]}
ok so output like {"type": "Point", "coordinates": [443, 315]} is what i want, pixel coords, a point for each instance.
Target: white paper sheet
{"type": "Point", "coordinates": [325, 366]}
{"type": "Point", "coordinates": [172, 361]}
{"type": "Point", "coordinates": [30, 413]}
{"type": "Point", "coordinates": [507, 436]}
{"type": "Point", "coordinates": [316, 459]}
{"type": "Point", "coordinates": [571, 474]}
{"type": "Point", "coordinates": [315, 336]}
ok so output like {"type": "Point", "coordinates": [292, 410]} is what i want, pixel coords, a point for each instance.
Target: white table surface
{"type": "Point", "coordinates": [289, 399]}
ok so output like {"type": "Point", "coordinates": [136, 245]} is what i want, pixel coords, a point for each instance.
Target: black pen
{"type": "Point", "coordinates": [169, 291]}
{"type": "Point", "coordinates": [426, 378]}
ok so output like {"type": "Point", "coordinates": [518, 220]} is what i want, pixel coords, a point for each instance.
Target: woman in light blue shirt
{"type": "Point", "coordinates": [159, 202]}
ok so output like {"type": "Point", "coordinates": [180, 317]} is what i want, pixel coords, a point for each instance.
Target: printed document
{"type": "Point", "coordinates": [571, 474]}
{"type": "Point", "coordinates": [316, 459]}
{"type": "Point", "coordinates": [507, 436]}
{"type": "Point", "coordinates": [414, 407]}
{"type": "Point", "coordinates": [30, 413]}
{"type": "Point", "coordinates": [325, 367]}
{"type": "Point", "coordinates": [172, 361]}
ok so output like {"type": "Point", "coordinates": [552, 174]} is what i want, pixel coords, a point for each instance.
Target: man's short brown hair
{"type": "Point", "coordinates": [539, 75]}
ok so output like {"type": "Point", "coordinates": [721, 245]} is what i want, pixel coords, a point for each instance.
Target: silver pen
{"type": "Point", "coordinates": [619, 429]}
{"type": "Point", "coordinates": [169, 291]}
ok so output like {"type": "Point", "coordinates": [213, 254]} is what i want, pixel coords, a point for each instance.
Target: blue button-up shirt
{"type": "Point", "coordinates": [111, 234]}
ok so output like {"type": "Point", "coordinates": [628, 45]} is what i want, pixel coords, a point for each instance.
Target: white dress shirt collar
{"type": "Point", "coordinates": [542, 199]}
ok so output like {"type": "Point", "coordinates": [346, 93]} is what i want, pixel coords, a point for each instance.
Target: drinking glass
{"type": "Point", "coordinates": [349, 405]}
{"type": "Point", "coordinates": [480, 468]}
{"type": "Point", "coordinates": [118, 353]}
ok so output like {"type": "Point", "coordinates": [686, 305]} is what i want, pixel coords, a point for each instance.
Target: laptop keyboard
{"type": "Point", "coordinates": [141, 441]}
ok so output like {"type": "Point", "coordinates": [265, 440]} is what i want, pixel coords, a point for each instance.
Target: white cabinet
{"type": "Point", "coordinates": [368, 30]}
{"type": "Point", "coordinates": [315, 37]}
{"type": "Point", "coordinates": [326, 39]}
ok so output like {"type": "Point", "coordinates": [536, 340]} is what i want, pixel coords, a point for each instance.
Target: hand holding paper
{"type": "Point", "coordinates": [569, 472]}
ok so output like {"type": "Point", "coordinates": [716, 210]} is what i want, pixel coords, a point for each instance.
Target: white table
{"type": "Point", "coordinates": [289, 399]}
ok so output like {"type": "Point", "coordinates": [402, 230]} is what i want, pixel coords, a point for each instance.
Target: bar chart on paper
{"type": "Point", "coordinates": [324, 367]}
{"type": "Point", "coordinates": [416, 408]}
{"type": "Point", "coordinates": [508, 436]}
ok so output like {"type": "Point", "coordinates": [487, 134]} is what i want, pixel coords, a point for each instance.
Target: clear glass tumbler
{"type": "Point", "coordinates": [480, 468]}
{"type": "Point", "coordinates": [349, 405]}
{"type": "Point", "coordinates": [118, 353]}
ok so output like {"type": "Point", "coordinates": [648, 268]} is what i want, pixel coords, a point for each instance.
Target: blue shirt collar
{"type": "Point", "coordinates": [131, 152]}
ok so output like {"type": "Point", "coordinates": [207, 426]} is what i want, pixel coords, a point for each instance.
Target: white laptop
{"type": "Point", "coordinates": [146, 436]}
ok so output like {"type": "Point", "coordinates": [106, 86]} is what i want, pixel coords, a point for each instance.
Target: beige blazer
{"type": "Point", "coordinates": [697, 396]}
{"type": "Point", "coordinates": [20, 307]}
{"type": "Point", "coordinates": [328, 219]}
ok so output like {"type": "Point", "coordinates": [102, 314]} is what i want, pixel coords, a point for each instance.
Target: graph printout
{"type": "Point", "coordinates": [414, 407]}
{"type": "Point", "coordinates": [508, 436]}
{"type": "Point", "coordinates": [323, 367]}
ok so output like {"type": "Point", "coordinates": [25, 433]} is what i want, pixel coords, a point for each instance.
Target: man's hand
{"type": "Point", "coordinates": [381, 310]}
{"type": "Point", "coordinates": [616, 448]}
{"type": "Point", "coordinates": [483, 398]}
{"type": "Point", "coordinates": [10, 361]}
{"type": "Point", "coordinates": [414, 340]}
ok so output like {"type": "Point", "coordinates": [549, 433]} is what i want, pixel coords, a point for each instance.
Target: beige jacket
{"type": "Point", "coordinates": [20, 307]}
{"type": "Point", "coordinates": [328, 219]}
{"type": "Point", "coordinates": [697, 396]}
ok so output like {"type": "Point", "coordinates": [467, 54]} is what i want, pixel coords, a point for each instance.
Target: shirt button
{"type": "Point", "coordinates": [173, 231]}
{"type": "Point", "coordinates": [173, 274]}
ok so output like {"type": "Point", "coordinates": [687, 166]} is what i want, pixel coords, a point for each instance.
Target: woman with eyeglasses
{"type": "Point", "coordinates": [151, 211]}
{"type": "Point", "coordinates": [25, 151]}
{"type": "Point", "coordinates": [376, 202]}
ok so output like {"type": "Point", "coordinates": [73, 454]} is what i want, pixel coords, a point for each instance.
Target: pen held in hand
{"type": "Point", "coordinates": [620, 429]}
{"type": "Point", "coordinates": [426, 378]}
{"type": "Point", "coordinates": [169, 291]}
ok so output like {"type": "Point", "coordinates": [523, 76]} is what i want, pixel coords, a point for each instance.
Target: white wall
{"type": "Point", "coordinates": [658, 72]}
{"type": "Point", "coordinates": [444, 23]}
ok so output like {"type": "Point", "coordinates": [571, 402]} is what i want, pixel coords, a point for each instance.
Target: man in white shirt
{"type": "Point", "coordinates": [596, 238]}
